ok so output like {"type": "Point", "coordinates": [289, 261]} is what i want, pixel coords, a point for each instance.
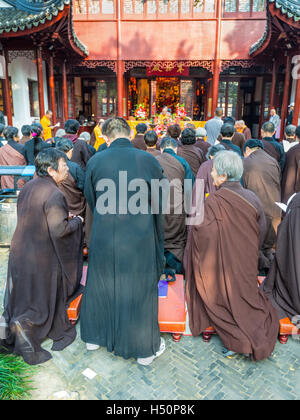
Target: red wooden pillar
{"type": "Point", "coordinates": [120, 64]}
{"type": "Point", "coordinates": [52, 89]}
{"type": "Point", "coordinates": [8, 104]}
{"type": "Point", "coordinates": [39, 65]}
{"type": "Point", "coordinates": [286, 92]}
{"type": "Point", "coordinates": [65, 90]}
{"type": "Point", "coordinates": [217, 62]}
{"type": "Point", "coordinates": [297, 104]}
{"type": "Point", "coordinates": [273, 86]}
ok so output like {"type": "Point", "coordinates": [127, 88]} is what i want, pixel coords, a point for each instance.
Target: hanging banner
{"type": "Point", "coordinates": [167, 69]}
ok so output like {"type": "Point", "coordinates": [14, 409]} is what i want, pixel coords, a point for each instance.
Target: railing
{"type": "Point", "coordinates": [166, 9]}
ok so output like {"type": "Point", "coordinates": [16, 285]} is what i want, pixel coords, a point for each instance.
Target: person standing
{"type": "Point", "coordinates": [290, 116]}
{"type": "Point", "coordinates": [120, 302]}
{"type": "Point", "coordinates": [81, 152]}
{"type": "Point", "coordinates": [189, 152]}
{"type": "Point", "coordinates": [275, 120]}
{"type": "Point", "coordinates": [213, 126]}
{"type": "Point", "coordinates": [227, 134]}
{"type": "Point", "coordinates": [46, 124]}
{"type": "Point", "coordinates": [44, 267]}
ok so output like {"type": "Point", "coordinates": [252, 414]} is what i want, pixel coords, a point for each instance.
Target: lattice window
{"type": "Point", "coordinates": [94, 7]}
{"type": "Point", "coordinates": [128, 7]}
{"type": "Point", "coordinates": [244, 6]}
{"type": "Point", "coordinates": [151, 7]}
{"type": "Point", "coordinates": [174, 6]}
{"type": "Point", "coordinates": [230, 5]}
{"type": "Point", "coordinates": [139, 7]}
{"type": "Point", "coordinates": [80, 7]}
{"type": "Point", "coordinates": [259, 5]}
{"type": "Point", "coordinates": [185, 6]}
{"type": "Point", "coordinates": [163, 6]}
{"type": "Point", "coordinates": [209, 6]}
{"type": "Point", "coordinates": [108, 7]}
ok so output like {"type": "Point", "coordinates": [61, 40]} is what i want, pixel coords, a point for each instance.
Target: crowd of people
{"type": "Point", "coordinates": [242, 233]}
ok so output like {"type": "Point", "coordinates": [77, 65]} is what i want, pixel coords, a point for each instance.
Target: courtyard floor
{"type": "Point", "coordinates": [188, 370]}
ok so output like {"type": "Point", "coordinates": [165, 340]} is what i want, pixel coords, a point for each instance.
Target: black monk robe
{"type": "Point", "coordinates": [120, 303]}
{"type": "Point", "coordinates": [221, 275]}
{"type": "Point", "coordinates": [44, 272]}
{"type": "Point", "coordinates": [282, 284]}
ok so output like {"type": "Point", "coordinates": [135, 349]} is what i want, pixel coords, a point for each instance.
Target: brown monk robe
{"type": "Point", "coordinates": [221, 274]}
{"type": "Point", "coordinates": [290, 183]}
{"type": "Point", "coordinates": [44, 271]}
{"type": "Point", "coordinates": [262, 175]}
{"type": "Point", "coordinates": [282, 284]}
{"type": "Point", "coordinates": [189, 152]}
{"type": "Point", "coordinates": [11, 155]}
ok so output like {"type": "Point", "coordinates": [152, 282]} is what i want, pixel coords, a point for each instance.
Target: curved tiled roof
{"type": "Point", "coordinates": [291, 8]}
{"type": "Point", "coordinates": [20, 17]}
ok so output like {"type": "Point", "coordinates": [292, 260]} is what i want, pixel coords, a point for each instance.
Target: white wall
{"type": "Point", "coordinates": [20, 70]}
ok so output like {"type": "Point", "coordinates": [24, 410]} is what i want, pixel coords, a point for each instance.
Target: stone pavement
{"type": "Point", "coordinates": [188, 370]}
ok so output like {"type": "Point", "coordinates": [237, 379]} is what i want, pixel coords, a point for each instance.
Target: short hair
{"type": "Point", "coordinates": [253, 143]}
{"type": "Point", "coordinates": [290, 130]}
{"type": "Point", "coordinates": [229, 120]}
{"type": "Point", "coordinates": [64, 145]}
{"type": "Point", "coordinates": [85, 136]}
{"type": "Point", "coordinates": [49, 111]}
{"type": "Point", "coordinates": [116, 127]}
{"type": "Point", "coordinates": [2, 126]}
{"type": "Point", "coordinates": [26, 130]}
{"type": "Point", "coordinates": [174, 131]}
{"type": "Point", "coordinates": [71, 126]}
{"type": "Point", "coordinates": [219, 112]}
{"type": "Point", "coordinates": [168, 142]}
{"type": "Point", "coordinates": [60, 132]}
{"type": "Point", "coordinates": [36, 129]}
{"type": "Point", "coordinates": [213, 150]}
{"type": "Point", "coordinates": [141, 128]}
{"type": "Point", "coordinates": [10, 132]}
{"type": "Point", "coordinates": [227, 130]}
{"type": "Point", "coordinates": [298, 132]}
{"type": "Point", "coordinates": [49, 158]}
{"type": "Point", "coordinates": [229, 163]}
{"type": "Point", "coordinates": [150, 138]}
{"type": "Point", "coordinates": [201, 132]}
{"type": "Point", "coordinates": [188, 136]}
{"type": "Point", "coordinates": [268, 127]}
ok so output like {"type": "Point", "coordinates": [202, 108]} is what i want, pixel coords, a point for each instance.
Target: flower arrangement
{"type": "Point", "coordinates": [140, 112]}
{"type": "Point", "coordinates": [180, 112]}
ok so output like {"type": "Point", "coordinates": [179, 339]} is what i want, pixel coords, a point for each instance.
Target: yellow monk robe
{"type": "Point", "coordinates": [46, 123]}
{"type": "Point", "coordinates": [99, 138]}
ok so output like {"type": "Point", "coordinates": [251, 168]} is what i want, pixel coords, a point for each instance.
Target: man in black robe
{"type": "Point", "coordinates": [282, 284]}
{"type": "Point", "coordinates": [272, 146]}
{"type": "Point", "coordinates": [44, 267]}
{"type": "Point", "coordinates": [126, 255]}
{"type": "Point", "coordinates": [290, 183]}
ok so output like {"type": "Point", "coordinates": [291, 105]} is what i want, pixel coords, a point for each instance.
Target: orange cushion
{"type": "Point", "coordinates": [171, 309]}
{"type": "Point", "coordinates": [74, 309]}
{"type": "Point", "coordinates": [286, 327]}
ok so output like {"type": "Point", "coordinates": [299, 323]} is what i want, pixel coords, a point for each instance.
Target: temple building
{"type": "Point", "coordinates": [100, 58]}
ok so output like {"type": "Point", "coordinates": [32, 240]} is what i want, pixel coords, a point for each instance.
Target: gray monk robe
{"type": "Point", "coordinates": [282, 284]}
{"type": "Point", "coordinates": [44, 272]}
{"type": "Point", "coordinates": [221, 274]}
{"type": "Point", "coordinates": [126, 254]}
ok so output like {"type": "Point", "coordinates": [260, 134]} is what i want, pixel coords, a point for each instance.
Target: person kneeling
{"type": "Point", "coordinates": [44, 267]}
{"type": "Point", "coordinates": [221, 262]}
